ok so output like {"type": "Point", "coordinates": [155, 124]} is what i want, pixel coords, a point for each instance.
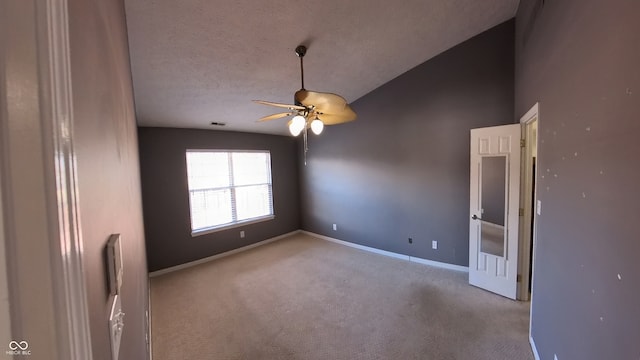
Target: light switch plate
{"type": "Point", "coordinates": [539, 207]}
{"type": "Point", "coordinates": [114, 260]}
{"type": "Point", "coordinates": [116, 326]}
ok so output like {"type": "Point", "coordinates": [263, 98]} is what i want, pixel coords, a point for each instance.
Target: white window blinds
{"type": "Point", "coordinates": [228, 188]}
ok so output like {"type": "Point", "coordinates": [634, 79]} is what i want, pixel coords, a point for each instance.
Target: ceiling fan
{"type": "Point", "coordinates": [312, 110]}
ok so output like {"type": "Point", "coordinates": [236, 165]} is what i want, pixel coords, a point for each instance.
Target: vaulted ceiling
{"type": "Point", "coordinates": [200, 61]}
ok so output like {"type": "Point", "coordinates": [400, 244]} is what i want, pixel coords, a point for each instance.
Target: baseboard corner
{"type": "Point", "coordinates": [221, 255]}
{"type": "Point", "coordinates": [534, 349]}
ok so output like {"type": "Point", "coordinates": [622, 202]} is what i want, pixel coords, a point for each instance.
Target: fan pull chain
{"type": "Point", "coordinates": [306, 148]}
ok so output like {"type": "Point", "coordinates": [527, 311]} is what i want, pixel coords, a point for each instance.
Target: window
{"type": "Point", "coordinates": [228, 188]}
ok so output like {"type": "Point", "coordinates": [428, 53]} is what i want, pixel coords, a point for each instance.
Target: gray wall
{"type": "Point", "coordinates": [580, 60]}
{"type": "Point", "coordinates": [108, 168]}
{"type": "Point", "coordinates": [166, 199]}
{"type": "Point", "coordinates": [402, 168]}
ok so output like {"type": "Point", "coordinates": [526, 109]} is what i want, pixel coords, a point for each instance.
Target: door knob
{"type": "Point", "coordinates": [474, 217]}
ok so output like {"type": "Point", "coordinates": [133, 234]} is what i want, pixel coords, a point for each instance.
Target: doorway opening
{"type": "Point", "coordinates": [528, 201]}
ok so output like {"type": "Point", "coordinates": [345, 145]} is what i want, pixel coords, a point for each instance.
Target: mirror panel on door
{"type": "Point", "coordinates": [493, 212]}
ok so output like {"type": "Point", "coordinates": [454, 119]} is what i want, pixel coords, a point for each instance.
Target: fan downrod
{"type": "Point", "coordinates": [300, 51]}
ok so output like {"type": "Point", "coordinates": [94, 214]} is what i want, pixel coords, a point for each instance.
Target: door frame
{"type": "Point", "coordinates": [37, 134]}
{"type": "Point", "coordinates": [527, 231]}
{"type": "Point", "coordinates": [5, 326]}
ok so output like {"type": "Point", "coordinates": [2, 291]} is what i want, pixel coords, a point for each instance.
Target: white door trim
{"type": "Point", "coordinates": [526, 188]}
{"type": "Point", "coordinates": [70, 277]}
{"type": "Point", "coordinates": [532, 115]}
{"type": "Point", "coordinates": [529, 115]}
{"type": "Point", "coordinates": [5, 314]}
{"type": "Point", "coordinates": [43, 38]}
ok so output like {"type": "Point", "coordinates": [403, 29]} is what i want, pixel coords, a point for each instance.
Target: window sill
{"type": "Point", "coordinates": [231, 226]}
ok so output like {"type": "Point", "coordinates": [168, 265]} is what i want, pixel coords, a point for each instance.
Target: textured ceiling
{"type": "Point", "coordinates": [198, 61]}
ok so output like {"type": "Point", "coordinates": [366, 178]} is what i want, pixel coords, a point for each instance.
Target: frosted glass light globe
{"type": "Point", "coordinates": [297, 125]}
{"type": "Point", "coordinates": [316, 126]}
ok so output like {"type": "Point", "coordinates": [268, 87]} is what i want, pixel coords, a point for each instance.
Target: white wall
{"type": "Point", "coordinates": [26, 181]}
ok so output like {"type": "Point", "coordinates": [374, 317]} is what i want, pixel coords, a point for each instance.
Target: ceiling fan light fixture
{"type": "Point", "coordinates": [308, 105]}
{"type": "Point", "coordinates": [317, 126]}
{"type": "Point", "coordinates": [297, 124]}
{"type": "Point", "coordinates": [294, 131]}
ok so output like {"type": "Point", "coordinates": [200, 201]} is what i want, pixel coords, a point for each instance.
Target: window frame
{"type": "Point", "coordinates": [232, 187]}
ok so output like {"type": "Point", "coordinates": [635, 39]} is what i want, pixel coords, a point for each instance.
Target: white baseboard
{"type": "Point", "coordinates": [439, 264]}
{"type": "Point", "coordinates": [357, 246]}
{"type": "Point", "coordinates": [389, 253]}
{"type": "Point", "coordinates": [534, 348]}
{"type": "Point", "coordinates": [323, 237]}
{"type": "Point", "coordinates": [221, 255]}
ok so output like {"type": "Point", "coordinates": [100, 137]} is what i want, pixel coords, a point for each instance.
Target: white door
{"type": "Point", "coordinates": [494, 205]}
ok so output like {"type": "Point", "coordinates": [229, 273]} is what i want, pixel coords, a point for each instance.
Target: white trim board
{"type": "Point", "coordinates": [322, 237]}
{"type": "Point", "coordinates": [529, 115]}
{"type": "Point", "coordinates": [390, 254]}
{"type": "Point", "coordinates": [534, 349]}
{"type": "Point", "coordinates": [43, 112]}
{"type": "Point", "coordinates": [218, 256]}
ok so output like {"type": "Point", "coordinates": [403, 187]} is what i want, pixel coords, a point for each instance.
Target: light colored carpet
{"type": "Point", "coordinates": [305, 298]}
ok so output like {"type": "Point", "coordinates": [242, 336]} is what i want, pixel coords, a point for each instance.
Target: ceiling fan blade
{"type": "Point", "coordinates": [347, 114]}
{"type": "Point", "coordinates": [326, 103]}
{"type": "Point", "coordinates": [300, 96]}
{"type": "Point", "coordinates": [275, 116]}
{"type": "Point", "coordinates": [331, 108]}
{"type": "Point", "coordinates": [286, 106]}
{"type": "Point", "coordinates": [317, 98]}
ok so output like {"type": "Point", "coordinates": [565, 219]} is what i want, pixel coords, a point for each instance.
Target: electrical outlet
{"type": "Point", "coordinates": [434, 244]}
{"type": "Point", "coordinates": [242, 234]}
{"type": "Point", "coordinates": [335, 227]}
{"type": "Point", "coordinates": [410, 240]}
